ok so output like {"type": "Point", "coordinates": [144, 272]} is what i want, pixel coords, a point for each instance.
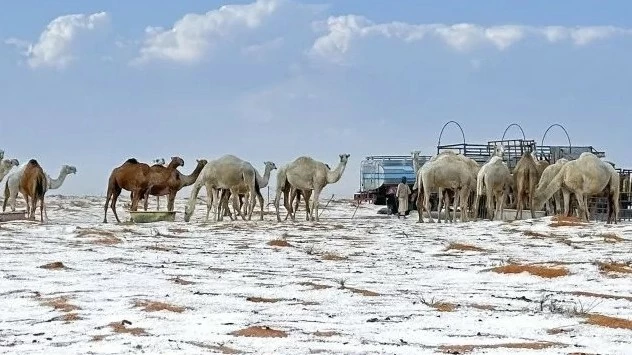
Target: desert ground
{"type": "Point", "coordinates": [368, 284]}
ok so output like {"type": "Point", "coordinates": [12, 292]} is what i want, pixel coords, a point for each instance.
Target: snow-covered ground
{"type": "Point", "coordinates": [371, 284]}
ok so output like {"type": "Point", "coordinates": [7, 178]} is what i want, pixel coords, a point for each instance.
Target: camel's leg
{"type": "Point", "coordinates": [315, 203]}
{"type": "Point", "coordinates": [308, 212]}
{"type": "Point", "coordinates": [42, 210]}
{"type": "Point", "coordinates": [210, 193]}
{"type": "Point", "coordinates": [439, 204]}
{"type": "Point", "coordinates": [531, 195]}
{"type": "Point", "coordinates": [33, 209]}
{"type": "Point", "coordinates": [427, 205]}
{"type": "Point", "coordinates": [420, 205]}
{"type": "Point", "coordinates": [235, 196]}
{"type": "Point", "coordinates": [158, 204]}
{"type": "Point", "coordinates": [115, 194]}
{"type": "Point", "coordinates": [491, 195]}
{"type": "Point", "coordinates": [171, 200]}
{"type": "Point", "coordinates": [580, 205]}
{"type": "Point", "coordinates": [260, 198]}
{"type": "Point", "coordinates": [567, 202]}
{"type": "Point", "coordinates": [277, 201]}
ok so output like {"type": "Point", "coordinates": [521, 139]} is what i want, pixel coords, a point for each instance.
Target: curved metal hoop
{"type": "Point", "coordinates": [516, 125]}
{"type": "Point", "coordinates": [447, 123]}
{"type": "Point", "coordinates": [570, 146]}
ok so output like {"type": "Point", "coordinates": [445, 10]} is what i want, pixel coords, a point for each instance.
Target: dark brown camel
{"type": "Point", "coordinates": [163, 180]}
{"type": "Point", "coordinates": [33, 184]}
{"type": "Point", "coordinates": [131, 176]}
{"type": "Point", "coordinates": [182, 181]}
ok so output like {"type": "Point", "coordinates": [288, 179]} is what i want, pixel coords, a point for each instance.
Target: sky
{"type": "Point", "coordinates": [92, 84]}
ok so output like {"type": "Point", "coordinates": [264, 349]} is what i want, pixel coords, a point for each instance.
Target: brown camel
{"type": "Point", "coordinates": [33, 184]}
{"type": "Point", "coordinates": [525, 180]}
{"type": "Point", "coordinates": [168, 180]}
{"type": "Point", "coordinates": [132, 176]}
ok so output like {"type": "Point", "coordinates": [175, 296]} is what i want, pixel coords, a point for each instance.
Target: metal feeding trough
{"type": "Point", "coordinates": [152, 216]}
{"type": "Point", "coordinates": [12, 216]}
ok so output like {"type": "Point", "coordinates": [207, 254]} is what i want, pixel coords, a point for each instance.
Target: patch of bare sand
{"type": "Point", "coordinates": [314, 286]}
{"type": "Point", "coordinates": [57, 265]}
{"type": "Point", "coordinates": [333, 257]}
{"type": "Point", "coordinates": [99, 236]}
{"type": "Point", "coordinates": [121, 328]}
{"type": "Point", "coordinates": [223, 349]}
{"type": "Point", "coordinates": [361, 291]}
{"type": "Point", "coordinates": [614, 267]}
{"type": "Point", "coordinates": [326, 334]}
{"type": "Point", "coordinates": [460, 349]}
{"type": "Point", "coordinates": [279, 243]}
{"type": "Point", "coordinates": [600, 295]}
{"type": "Point", "coordinates": [463, 247]}
{"type": "Point", "coordinates": [60, 303]}
{"type": "Point", "coordinates": [180, 281]}
{"type": "Point", "coordinates": [538, 235]}
{"type": "Point", "coordinates": [563, 221]}
{"type": "Point", "coordinates": [260, 332]}
{"type": "Point", "coordinates": [154, 306]}
{"type": "Point", "coordinates": [541, 271]}
{"type": "Point", "coordinates": [263, 299]}
{"type": "Point", "coordinates": [609, 322]}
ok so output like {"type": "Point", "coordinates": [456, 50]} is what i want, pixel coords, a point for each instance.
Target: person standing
{"type": "Point", "coordinates": [403, 193]}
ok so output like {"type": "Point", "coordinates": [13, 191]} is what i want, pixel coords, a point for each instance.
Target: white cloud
{"type": "Point", "coordinates": [190, 37]}
{"type": "Point", "coordinates": [54, 47]}
{"type": "Point", "coordinates": [342, 30]}
{"type": "Point", "coordinates": [260, 49]}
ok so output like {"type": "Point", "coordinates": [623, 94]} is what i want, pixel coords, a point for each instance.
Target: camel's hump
{"type": "Point", "coordinates": [132, 161]}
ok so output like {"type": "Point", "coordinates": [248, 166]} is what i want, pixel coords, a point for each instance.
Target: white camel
{"type": "Point", "coordinates": [545, 179]}
{"type": "Point", "coordinates": [6, 165]}
{"type": "Point", "coordinates": [493, 180]}
{"type": "Point", "coordinates": [309, 175]}
{"type": "Point", "coordinates": [586, 176]}
{"type": "Point", "coordinates": [226, 172]}
{"type": "Point", "coordinates": [446, 170]}
{"type": "Point", "coordinates": [262, 182]}
{"type": "Point", "coordinates": [12, 185]}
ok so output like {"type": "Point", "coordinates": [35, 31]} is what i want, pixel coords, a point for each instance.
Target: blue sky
{"type": "Point", "coordinates": [275, 79]}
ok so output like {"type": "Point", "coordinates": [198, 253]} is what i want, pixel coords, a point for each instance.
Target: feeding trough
{"type": "Point", "coordinates": [152, 216]}
{"type": "Point", "coordinates": [13, 216]}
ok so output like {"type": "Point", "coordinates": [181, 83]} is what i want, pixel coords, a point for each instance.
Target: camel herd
{"type": "Point", "coordinates": [31, 181]}
{"type": "Point", "coordinates": [223, 178]}
{"type": "Point", "coordinates": [533, 182]}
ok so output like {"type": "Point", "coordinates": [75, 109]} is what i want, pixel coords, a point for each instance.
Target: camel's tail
{"type": "Point", "coordinates": [544, 193]}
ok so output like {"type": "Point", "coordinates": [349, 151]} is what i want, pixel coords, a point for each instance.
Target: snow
{"type": "Point", "coordinates": [226, 262]}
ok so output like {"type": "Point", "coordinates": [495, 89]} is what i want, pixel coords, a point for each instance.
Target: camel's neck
{"type": "Point", "coordinates": [334, 175]}
{"type": "Point", "coordinates": [56, 183]}
{"type": "Point", "coordinates": [263, 180]}
{"type": "Point", "coordinates": [188, 180]}
{"type": "Point", "coordinates": [4, 170]}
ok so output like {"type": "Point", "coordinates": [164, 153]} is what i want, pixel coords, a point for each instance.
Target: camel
{"type": "Point", "coordinates": [525, 180]}
{"type": "Point", "coordinates": [226, 172]}
{"type": "Point", "coordinates": [492, 182]}
{"type": "Point", "coordinates": [6, 165]}
{"type": "Point", "coordinates": [481, 190]}
{"type": "Point", "coordinates": [289, 195]}
{"type": "Point", "coordinates": [262, 182]}
{"type": "Point", "coordinates": [131, 176]}
{"type": "Point", "coordinates": [446, 170]}
{"type": "Point", "coordinates": [545, 179]}
{"type": "Point", "coordinates": [163, 181]}
{"type": "Point", "coordinates": [12, 184]}
{"type": "Point", "coordinates": [305, 174]}
{"type": "Point", "coordinates": [585, 176]}
{"type": "Point", "coordinates": [63, 172]}
{"type": "Point", "coordinates": [295, 199]}
{"type": "Point", "coordinates": [33, 185]}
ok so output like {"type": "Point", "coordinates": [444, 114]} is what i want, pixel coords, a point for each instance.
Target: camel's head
{"type": "Point", "coordinates": [68, 169]}
{"type": "Point", "coordinates": [269, 165]}
{"type": "Point", "coordinates": [14, 162]}
{"type": "Point", "coordinates": [201, 162]}
{"type": "Point", "coordinates": [160, 161]}
{"type": "Point", "coordinates": [499, 150]}
{"type": "Point", "coordinates": [176, 162]}
{"type": "Point", "coordinates": [344, 158]}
